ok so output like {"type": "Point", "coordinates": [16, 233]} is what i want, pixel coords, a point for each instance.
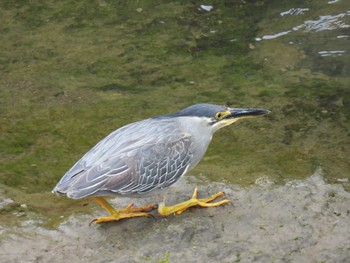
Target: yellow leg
{"type": "Point", "coordinates": [194, 201]}
{"type": "Point", "coordinates": [115, 215]}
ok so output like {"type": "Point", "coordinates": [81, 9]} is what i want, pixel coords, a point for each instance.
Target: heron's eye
{"type": "Point", "coordinates": [219, 116]}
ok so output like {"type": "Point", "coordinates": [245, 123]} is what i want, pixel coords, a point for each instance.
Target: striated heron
{"type": "Point", "coordinates": [149, 155]}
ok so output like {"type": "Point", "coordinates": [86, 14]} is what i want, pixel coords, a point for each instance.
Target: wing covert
{"type": "Point", "coordinates": [129, 161]}
{"type": "Point", "coordinates": [159, 166]}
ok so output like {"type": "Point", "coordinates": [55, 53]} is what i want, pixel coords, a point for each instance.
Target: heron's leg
{"type": "Point", "coordinates": [194, 201]}
{"type": "Point", "coordinates": [118, 214]}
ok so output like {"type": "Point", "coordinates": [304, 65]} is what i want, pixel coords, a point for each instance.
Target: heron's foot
{"type": "Point", "coordinates": [194, 201]}
{"type": "Point", "coordinates": [116, 215]}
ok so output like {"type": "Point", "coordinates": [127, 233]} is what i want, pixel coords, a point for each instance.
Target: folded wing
{"type": "Point", "coordinates": [129, 163]}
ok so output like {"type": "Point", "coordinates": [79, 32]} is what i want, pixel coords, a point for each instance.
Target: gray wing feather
{"type": "Point", "coordinates": [129, 161]}
{"type": "Point", "coordinates": [159, 166]}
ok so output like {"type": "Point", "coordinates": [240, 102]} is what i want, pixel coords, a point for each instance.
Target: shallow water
{"type": "Point", "coordinates": [71, 72]}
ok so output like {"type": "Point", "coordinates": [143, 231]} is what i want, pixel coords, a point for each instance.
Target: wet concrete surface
{"type": "Point", "coordinates": [301, 221]}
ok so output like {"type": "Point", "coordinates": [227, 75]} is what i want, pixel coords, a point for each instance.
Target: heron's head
{"type": "Point", "coordinates": [220, 116]}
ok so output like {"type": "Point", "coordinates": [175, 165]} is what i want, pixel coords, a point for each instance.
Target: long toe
{"type": "Point", "coordinates": [119, 216]}
{"type": "Point", "coordinates": [130, 208]}
{"type": "Point", "coordinates": [194, 201]}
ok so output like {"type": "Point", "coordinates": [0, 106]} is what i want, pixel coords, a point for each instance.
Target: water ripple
{"type": "Point", "coordinates": [295, 11]}
{"type": "Point", "coordinates": [327, 22]}
{"type": "Point", "coordinates": [331, 53]}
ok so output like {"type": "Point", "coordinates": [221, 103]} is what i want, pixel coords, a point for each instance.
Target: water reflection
{"type": "Point", "coordinates": [343, 36]}
{"type": "Point", "coordinates": [327, 22]}
{"type": "Point", "coordinates": [333, 1]}
{"type": "Point", "coordinates": [295, 11]}
{"type": "Point", "coordinates": [207, 8]}
{"type": "Point", "coordinates": [334, 53]}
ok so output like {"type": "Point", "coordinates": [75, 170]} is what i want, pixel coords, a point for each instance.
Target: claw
{"type": "Point", "coordinates": [92, 221]}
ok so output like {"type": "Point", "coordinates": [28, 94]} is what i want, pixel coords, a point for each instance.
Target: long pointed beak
{"type": "Point", "coordinates": [234, 114]}
{"type": "Point", "coordinates": [246, 112]}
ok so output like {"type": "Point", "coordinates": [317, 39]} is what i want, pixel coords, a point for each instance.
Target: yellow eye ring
{"type": "Point", "coordinates": [219, 115]}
